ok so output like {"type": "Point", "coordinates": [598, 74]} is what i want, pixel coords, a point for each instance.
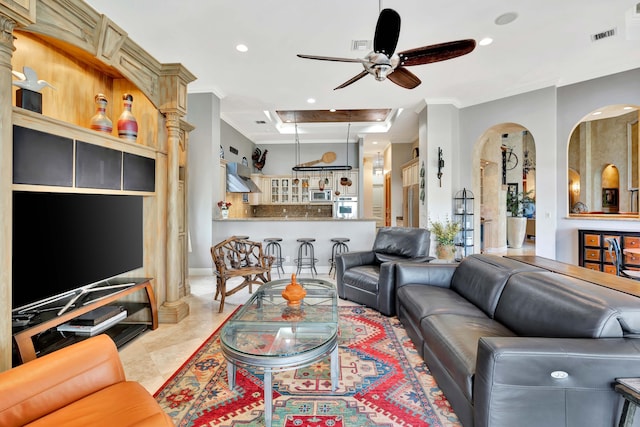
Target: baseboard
{"type": "Point", "coordinates": [200, 272]}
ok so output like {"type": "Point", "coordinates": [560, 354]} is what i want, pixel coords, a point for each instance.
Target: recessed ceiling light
{"type": "Point", "coordinates": [311, 101]}
{"type": "Point", "coordinates": [628, 108]}
{"type": "Point", "coordinates": [485, 41]}
{"type": "Point", "coordinates": [333, 110]}
{"type": "Point", "coordinates": [506, 18]}
{"type": "Point", "coordinates": [374, 142]}
{"type": "Point", "coordinates": [597, 113]}
{"type": "Point", "coordinates": [242, 48]}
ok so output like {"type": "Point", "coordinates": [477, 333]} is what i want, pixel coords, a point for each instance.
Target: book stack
{"type": "Point", "coordinates": [94, 322]}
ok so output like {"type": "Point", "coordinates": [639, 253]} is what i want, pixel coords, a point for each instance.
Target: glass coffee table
{"type": "Point", "coordinates": [269, 336]}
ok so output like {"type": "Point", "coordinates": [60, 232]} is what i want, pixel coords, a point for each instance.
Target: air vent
{"type": "Point", "coordinates": [361, 45]}
{"type": "Point", "coordinates": [261, 122]}
{"type": "Point", "coordinates": [603, 35]}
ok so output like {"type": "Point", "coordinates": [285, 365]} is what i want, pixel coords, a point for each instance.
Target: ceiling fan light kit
{"type": "Point", "coordinates": [384, 63]}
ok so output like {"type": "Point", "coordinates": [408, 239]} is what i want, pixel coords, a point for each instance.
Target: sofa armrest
{"type": "Point", "coordinates": [424, 274]}
{"type": "Point", "coordinates": [46, 384]}
{"type": "Point", "coordinates": [528, 381]}
{"type": "Point", "coordinates": [347, 260]}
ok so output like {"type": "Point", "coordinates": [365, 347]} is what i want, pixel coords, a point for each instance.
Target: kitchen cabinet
{"type": "Point", "coordinates": [279, 189]}
{"type": "Point", "coordinates": [410, 173]}
{"type": "Point", "coordinates": [345, 190]}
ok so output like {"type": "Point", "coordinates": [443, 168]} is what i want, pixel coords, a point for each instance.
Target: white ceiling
{"type": "Point", "coordinates": [548, 44]}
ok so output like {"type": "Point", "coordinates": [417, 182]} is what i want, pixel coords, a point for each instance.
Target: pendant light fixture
{"type": "Point", "coordinates": [378, 165]}
{"type": "Point", "coordinates": [315, 168]}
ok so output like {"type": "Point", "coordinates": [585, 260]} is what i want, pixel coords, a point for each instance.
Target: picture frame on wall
{"type": "Point", "coordinates": [512, 190]}
{"type": "Point", "coordinates": [609, 197]}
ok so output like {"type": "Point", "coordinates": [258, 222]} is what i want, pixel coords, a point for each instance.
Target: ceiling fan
{"type": "Point", "coordinates": [385, 63]}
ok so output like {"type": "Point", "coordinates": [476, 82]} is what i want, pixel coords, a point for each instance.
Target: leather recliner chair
{"type": "Point", "coordinates": [367, 277]}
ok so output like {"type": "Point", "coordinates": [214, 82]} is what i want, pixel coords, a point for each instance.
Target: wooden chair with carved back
{"type": "Point", "coordinates": [235, 257]}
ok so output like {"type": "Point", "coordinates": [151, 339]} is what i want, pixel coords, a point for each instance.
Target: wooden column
{"type": "Point", "coordinates": [173, 309]}
{"type": "Point", "coordinates": [6, 178]}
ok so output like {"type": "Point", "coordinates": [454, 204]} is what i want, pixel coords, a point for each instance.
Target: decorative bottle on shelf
{"type": "Point", "coordinates": [100, 121]}
{"type": "Point", "coordinates": [127, 124]}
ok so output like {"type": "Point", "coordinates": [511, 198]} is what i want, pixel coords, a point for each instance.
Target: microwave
{"type": "Point", "coordinates": [320, 196]}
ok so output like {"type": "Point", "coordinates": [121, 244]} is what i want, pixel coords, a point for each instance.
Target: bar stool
{"type": "Point", "coordinates": [274, 249]}
{"type": "Point", "coordinates": [339, 246]}
{"type": "Point", "coordinates": [306, 256]}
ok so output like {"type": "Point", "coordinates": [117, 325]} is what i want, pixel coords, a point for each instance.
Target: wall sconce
{"type": "Point", "coordinates": [440, 165]}
{"type": "Point", "coordinates": [575, 187]}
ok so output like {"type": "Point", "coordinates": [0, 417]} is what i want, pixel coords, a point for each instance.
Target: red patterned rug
{"type": "Point", "coordinates": [383, 382]}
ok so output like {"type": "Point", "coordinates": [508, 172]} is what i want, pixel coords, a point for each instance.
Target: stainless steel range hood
{"type": "Point", "coordinates": [239, 179]}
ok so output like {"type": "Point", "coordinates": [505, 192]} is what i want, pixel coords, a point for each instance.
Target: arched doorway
{"type": "Point", "coordinates": [505, 156]}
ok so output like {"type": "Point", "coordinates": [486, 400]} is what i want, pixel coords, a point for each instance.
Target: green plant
{"type": "Point", "coordinates": [445, 231]}
{"type": "Point", "coordinates": [517, 202]}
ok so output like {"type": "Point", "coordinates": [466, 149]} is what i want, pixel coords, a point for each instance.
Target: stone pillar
{"type": "Point", "coordinates": [173, 309]}
{"type": "Point", "coordinates": [6, 178]}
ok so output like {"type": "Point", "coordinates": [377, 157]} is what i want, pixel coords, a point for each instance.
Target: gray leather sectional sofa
{"type": "Point", "coordinates": [512, 345]}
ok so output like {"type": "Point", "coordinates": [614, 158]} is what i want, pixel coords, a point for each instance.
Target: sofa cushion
{"type": "Point", "coordinates": [122, 404]}
{"type": "Point", "coordinates": [481, 278]}
{"type": "Point", "coordinates": [363, 277]}
{"type": "Point", "coordinates": [420, 301]}
{"type": "Point", "coordinates": [453, 339]}
{"type": "Point", "coordinates": [553, 305]}
{"type": "Point", "coordinates": [401, 243]}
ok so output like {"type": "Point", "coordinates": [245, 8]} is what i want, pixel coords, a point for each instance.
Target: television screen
{"type": "Point", "coordinates": [66, 241]}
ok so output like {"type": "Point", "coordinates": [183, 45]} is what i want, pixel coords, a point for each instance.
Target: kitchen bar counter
{"type": "Point", "coordinates": [296, 219]}
{"type": "Point", "coordinates": [360, 231]}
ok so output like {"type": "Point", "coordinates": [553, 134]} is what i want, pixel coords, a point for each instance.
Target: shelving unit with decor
{"type": "Point", "coordinates": [83, 53]}
{"type": "Point", "coordinates": [463, 213]}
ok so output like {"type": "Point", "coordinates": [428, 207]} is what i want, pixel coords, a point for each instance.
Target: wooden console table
{"type": "Point", "coordinates": [47, 319]}
{"type": "Point", "coordinates": [600, 278]}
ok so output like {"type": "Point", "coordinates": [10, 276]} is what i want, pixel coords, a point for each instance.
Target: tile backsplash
{"type": "Point", "coordinates": [292, 211]}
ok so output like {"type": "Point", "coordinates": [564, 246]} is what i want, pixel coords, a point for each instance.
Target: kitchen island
{"type": "Point", "coordinates": [361, 232]}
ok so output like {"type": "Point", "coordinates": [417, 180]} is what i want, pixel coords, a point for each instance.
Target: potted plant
{"type": "Point", "coordinates": [224, 208]}
{"type": "Point", "coordinates": [445, 233]}
{"type": "Point", "coordinates": [517, 222]}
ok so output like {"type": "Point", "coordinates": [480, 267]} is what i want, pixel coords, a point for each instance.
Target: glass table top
{"type": "Point", "coordinates": [266, 327]}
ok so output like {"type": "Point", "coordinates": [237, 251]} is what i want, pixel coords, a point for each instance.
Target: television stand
{"type": "Point", "coordinates": [40, 337]}
{"type": "Point", "coordinates": [86, 291]}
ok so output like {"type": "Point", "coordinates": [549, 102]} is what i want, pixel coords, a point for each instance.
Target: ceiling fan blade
{"type": "Point", "coordinates": [405, 78]}
{"type": "Point", "coordinates": [353, 79]}
{"type": "Point", "coordinates": [387, 32]}
{"type": "Point", "coordinates": [436, 52]}
{"type": "Point", "coordinates": [331, 58]}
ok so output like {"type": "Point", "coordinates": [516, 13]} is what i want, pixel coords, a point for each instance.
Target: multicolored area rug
{"type": "Point", "coordinates": [383, 382]}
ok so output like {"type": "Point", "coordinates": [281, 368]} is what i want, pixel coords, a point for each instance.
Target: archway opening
{"type": "Point", "coordinates": [603, 172]}
{"type": "Point", "coordinates": [506, 157]}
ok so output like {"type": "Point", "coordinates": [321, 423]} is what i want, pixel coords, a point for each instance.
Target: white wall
{"type": "Point", "coordinates": [282, 157]}
{"type": "Point", "coordinates": [203, 174]}
{"type": "Point", "coordinates": [574, 102]}
{"type": "Point", "coordinates": [442, 132]}
{"type": "Point", "coordinates": [535, 111]}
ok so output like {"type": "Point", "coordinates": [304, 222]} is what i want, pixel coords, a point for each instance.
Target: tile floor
{"type": "Point", "coordinates": [154, 356]}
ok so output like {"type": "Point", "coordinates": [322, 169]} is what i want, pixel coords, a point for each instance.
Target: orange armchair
{"type": "Point", "coordinates": [80, 385]}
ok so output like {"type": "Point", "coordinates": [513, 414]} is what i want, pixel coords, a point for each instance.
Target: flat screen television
{"type": "Point", "coordinates": [63, 242]}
